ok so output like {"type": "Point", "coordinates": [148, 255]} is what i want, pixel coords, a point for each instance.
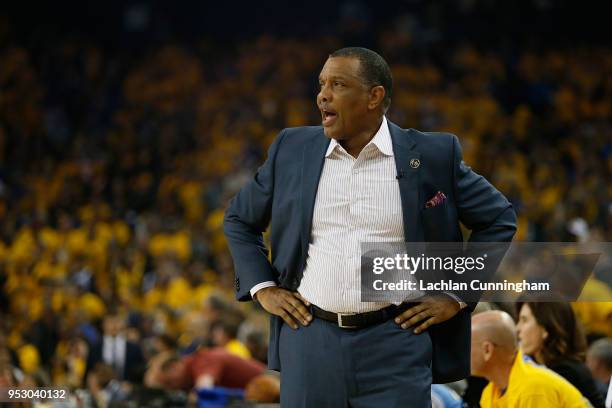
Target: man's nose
{"type": "Point", "coordinates": [324, 94]}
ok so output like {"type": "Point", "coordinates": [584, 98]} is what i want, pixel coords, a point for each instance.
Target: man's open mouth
{"type": "Point", "coordinates": [329, 117]}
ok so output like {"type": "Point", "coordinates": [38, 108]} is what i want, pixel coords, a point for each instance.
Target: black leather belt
{"type": "Point", "coordinates": [361, 320]}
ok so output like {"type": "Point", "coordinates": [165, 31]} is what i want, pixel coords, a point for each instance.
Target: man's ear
{"type": "Point", "coordinates": [487, 350]}
{"type": "Point", "coordinates": [377, 96]}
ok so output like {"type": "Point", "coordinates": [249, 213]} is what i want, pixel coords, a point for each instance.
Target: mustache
{"type": "Point", "coordinates": [326, 107]}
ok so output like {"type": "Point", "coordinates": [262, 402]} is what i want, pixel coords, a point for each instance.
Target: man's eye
{"type": "Point", "coordinates": [336, 83]}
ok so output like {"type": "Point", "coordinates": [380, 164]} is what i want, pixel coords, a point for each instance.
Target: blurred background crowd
{"type": "Point", "coordinates": [126, 127]}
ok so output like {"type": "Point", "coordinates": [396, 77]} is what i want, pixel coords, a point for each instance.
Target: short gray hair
{"type": "Point", "coordinates": [602, 350]}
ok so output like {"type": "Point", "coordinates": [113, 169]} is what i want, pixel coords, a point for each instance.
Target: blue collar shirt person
{"type": "Point", "coordinates": [326, 189]}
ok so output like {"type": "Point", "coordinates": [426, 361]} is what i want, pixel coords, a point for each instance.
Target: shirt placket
{"type": "Point", "coordinates": [346, 249]}
{"type": "Point", "coordinates": [353, 247]}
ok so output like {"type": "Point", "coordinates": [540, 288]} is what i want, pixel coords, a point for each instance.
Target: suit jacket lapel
{"type": "Point", "coordinates": [405, 152]}
{"type": "Point", "coordinates": [312, 164]}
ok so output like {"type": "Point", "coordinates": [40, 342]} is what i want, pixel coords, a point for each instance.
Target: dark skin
{"type": "Point", "coordinates": [351, 113]}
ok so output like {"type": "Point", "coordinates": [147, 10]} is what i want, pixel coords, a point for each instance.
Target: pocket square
{"type": "Point", "coordinates": [438, 199]}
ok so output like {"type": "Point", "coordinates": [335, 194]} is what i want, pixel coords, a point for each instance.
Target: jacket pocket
{"type": "Point", "coordinates": [436, 226]}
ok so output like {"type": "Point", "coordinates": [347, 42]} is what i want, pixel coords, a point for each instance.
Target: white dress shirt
{"type": "Point", "coordinates": [358, 200]}
{"type": "Point", "coordinates": [113, 352]}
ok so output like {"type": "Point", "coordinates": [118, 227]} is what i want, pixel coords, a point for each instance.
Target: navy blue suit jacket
{"type": "Point", "coordinates": [133, 365]}
{"type": "Point", "coordinates": [282, 194]}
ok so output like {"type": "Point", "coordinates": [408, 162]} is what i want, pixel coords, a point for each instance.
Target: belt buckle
{"type": "Point", "coordinates": [340, 324]}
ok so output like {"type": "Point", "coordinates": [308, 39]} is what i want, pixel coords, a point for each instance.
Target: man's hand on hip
{"type": "Point", "coordinates": [290, 306]}
{"type": "Point", "coordinates": [431, 310]}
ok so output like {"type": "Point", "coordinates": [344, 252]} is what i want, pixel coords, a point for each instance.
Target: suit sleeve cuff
{"type": "Point", "coordinates": [259, 286]}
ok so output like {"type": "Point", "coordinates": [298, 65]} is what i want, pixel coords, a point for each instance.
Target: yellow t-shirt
{"type": "Point", "coordinates": [531, 386]}
{"type": "Point", "coordinates": [237, 348]}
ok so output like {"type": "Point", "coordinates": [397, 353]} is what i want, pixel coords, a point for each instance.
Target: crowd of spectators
{"type": "Point", "coordinates": [115, 170]}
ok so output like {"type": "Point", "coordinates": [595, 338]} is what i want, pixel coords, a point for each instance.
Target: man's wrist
{"type": "Point", "coordinates": [260, 286]}
{"type": "Point", "coordinates": [461, 303]}
{"type": "Point", "coordinates": [260, 291]}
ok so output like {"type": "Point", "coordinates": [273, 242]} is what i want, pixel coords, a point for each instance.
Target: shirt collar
{"type": "Point", "coordinates": [382, 141]}
{"type": "Point", "coordinates": [517, 371]}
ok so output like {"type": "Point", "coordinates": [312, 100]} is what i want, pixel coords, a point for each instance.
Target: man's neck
{"type": "Point", "coordinates": [354, 145]}
{"type": "Point", "coordinates": [500, 375]}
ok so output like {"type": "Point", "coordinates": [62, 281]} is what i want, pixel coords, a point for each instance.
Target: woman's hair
{"type": "Point", "coordinates": [566, 339]}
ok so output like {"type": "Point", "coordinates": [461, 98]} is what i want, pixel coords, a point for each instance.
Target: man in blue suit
{"type": "Point", "coordinates": [324, 189]}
